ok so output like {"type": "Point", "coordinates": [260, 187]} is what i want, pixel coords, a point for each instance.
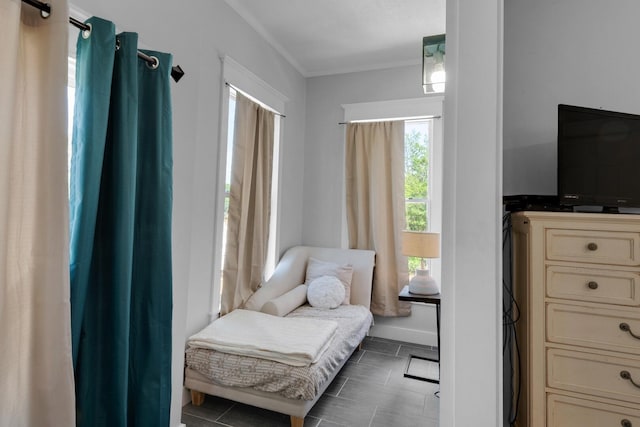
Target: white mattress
{"type": "Point", "coordinates": [289, 381]}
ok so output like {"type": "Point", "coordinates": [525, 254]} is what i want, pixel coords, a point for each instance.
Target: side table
{"type": "Point", "coordinates": [405, 295]}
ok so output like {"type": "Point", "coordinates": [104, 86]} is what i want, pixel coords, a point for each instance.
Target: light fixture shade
{"type": "Point", "coordinates": [433, 72]}
{"type": "Point", "coordinates": [421, 244]}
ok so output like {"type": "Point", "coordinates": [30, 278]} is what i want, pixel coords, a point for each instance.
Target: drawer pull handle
{"type": "Point", "coordinates": [625, 327]}
{"type": "Point", "coordinates": [626, 423]}
{"type": "Point", "coordinates": [625, 375]}
{"type": "Point", "coordinates": [592, 285]}
{"type": "Point", "coordinates": [592, 246]}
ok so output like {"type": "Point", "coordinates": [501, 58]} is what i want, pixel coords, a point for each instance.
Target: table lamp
{"type": "Point", "coordinates": [422, 245]}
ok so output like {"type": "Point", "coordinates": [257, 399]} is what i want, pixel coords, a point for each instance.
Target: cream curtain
{"type": "Point", "coordinates": [249, 203]}
{"type": "Point", "coordinates": [37, 386]}
{"type": "Point", "coordinates": [375, 207]}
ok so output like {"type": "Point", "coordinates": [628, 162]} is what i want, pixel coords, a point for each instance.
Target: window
{"type": "Point", "coordinates": [260, 92]}
{"type": "Point", "coordinates": [423, 160]}
{"type": "Point", "coordinates": [418, 138]}
{"type": "Point", "coordinates": [417, 143]}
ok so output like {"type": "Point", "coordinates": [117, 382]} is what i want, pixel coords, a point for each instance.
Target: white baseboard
{"type": "Point", "coordinates": [418, 328]}
{"type": "Point", "coordinates": [186, 396]}
{"type": "Point", "coordinates": [403, 334]}
{"type": "Point", "coordinates": [182, 425]}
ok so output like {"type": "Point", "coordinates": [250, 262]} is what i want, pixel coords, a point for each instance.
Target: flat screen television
{"type": "Point", "coordinates": [598, 158]}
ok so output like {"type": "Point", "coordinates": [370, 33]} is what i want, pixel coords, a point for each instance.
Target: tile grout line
{"type": "Point", "coordinates": [386, 381]}
{"type": "Point", "coordinates": [224, 413]}
{"type": "Point", "coordinates": [342, 386]}
{"type": "Point", "coordinates": [197, 416]}
{"type": "Point", "coordinates": [207, 419]}
{"type": "Point", "coordinates": [375, 410]}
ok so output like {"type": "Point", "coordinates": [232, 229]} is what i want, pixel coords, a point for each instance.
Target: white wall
{"type": "Point", "coordinates": [573, 52]}
{"type": "Point", "coordinates": [471, 366]}
{"type": "Point", "coordinates": [324, 170]}
{"type": "Point", "coordinates": [197, 33]}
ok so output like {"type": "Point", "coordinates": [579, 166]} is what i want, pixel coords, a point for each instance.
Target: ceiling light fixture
{"type": "Point", "coordinates": [433, 74]}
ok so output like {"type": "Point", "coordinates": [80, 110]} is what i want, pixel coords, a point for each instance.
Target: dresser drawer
{"type": "Point", "coordinates": [594, 285]}
{"type": "Point", "coordinates": [593, 374]}
{"type": "Point", "coordinates": [598, 247]}
{"type": "Point", "coordinates": [565, 411]}
{"type": "Point", "coordinates": [593, 327]}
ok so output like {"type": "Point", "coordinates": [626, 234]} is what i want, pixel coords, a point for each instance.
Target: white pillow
{"type": "Point", "coordinates": [318, 268]}
{"type": "Point", "coordinates": [325, 292]}
{"type": "Point", "coordinates": [286, 302]}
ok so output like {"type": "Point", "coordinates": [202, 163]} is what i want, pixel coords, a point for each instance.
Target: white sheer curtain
{"type": "Point", "coordinates": [375, 207]}
{"type": "Point", "coordinates": [37, 386]}
{"type": "Point", "coordinates": [249, 203]}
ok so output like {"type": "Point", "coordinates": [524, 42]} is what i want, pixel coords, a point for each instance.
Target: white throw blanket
{"type": "Point", "coordinates": [293, 341]}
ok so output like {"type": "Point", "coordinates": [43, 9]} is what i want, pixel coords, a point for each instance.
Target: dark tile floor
{"type": "Point", "coordinates": [370, 391]}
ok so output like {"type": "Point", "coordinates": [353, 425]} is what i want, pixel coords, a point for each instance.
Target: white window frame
{"type": "Point", "coordinates": [259, 91]}
{"type": "Point", "coordinates": [406, 109]}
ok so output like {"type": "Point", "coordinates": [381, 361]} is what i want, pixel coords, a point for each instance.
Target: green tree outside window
{"type": "Point", "coordinates": [416, 184]}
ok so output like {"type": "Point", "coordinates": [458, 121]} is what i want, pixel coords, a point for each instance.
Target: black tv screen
{"type": "Point", "coordinates": [598, 158]}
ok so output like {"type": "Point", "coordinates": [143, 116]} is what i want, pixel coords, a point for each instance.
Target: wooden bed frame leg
{"type": "Point", "coordinates": [197, 398]}
{"type": "Point", "coordinates": [297, 421]}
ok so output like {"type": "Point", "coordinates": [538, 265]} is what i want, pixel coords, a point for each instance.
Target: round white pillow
{"type": "Point", "coordinates": [325, 292]}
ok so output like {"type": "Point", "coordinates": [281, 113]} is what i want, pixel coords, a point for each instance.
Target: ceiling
{"type": "Point", "coordinates": [322, 37]}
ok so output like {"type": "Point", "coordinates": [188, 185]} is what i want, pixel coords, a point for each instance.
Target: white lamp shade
{"type": "Point", "coordinates": [421, 244]}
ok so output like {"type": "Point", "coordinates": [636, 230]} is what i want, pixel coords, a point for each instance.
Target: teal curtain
{"type": "Point", "coordinates": [120, 208]}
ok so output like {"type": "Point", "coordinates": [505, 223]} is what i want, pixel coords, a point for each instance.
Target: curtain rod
{"type": "Point", "coordinates": [415, 118]}
{"type": "Point", "coordinates": [263, 105]}
{"type": "Point", "coordinates": [45, 11]}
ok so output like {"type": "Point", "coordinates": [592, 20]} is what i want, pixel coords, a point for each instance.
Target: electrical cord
{"type": "Point", "coordinates": [510, 317]}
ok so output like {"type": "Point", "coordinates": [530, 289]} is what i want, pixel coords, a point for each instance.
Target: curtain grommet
{"type": "Point", "coordinates": [44, 14]}
{"type": "Point", "coordinates": [87, 33]}
{"type": "Point", "coordinates": [156, 63]}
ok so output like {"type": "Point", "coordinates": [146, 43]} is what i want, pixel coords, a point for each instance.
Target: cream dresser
{"type": "Point", "coordinates": [577, 282]}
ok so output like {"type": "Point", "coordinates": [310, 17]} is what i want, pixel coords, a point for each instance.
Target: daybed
{"type": "Point", "coordinates": [281, 387]}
